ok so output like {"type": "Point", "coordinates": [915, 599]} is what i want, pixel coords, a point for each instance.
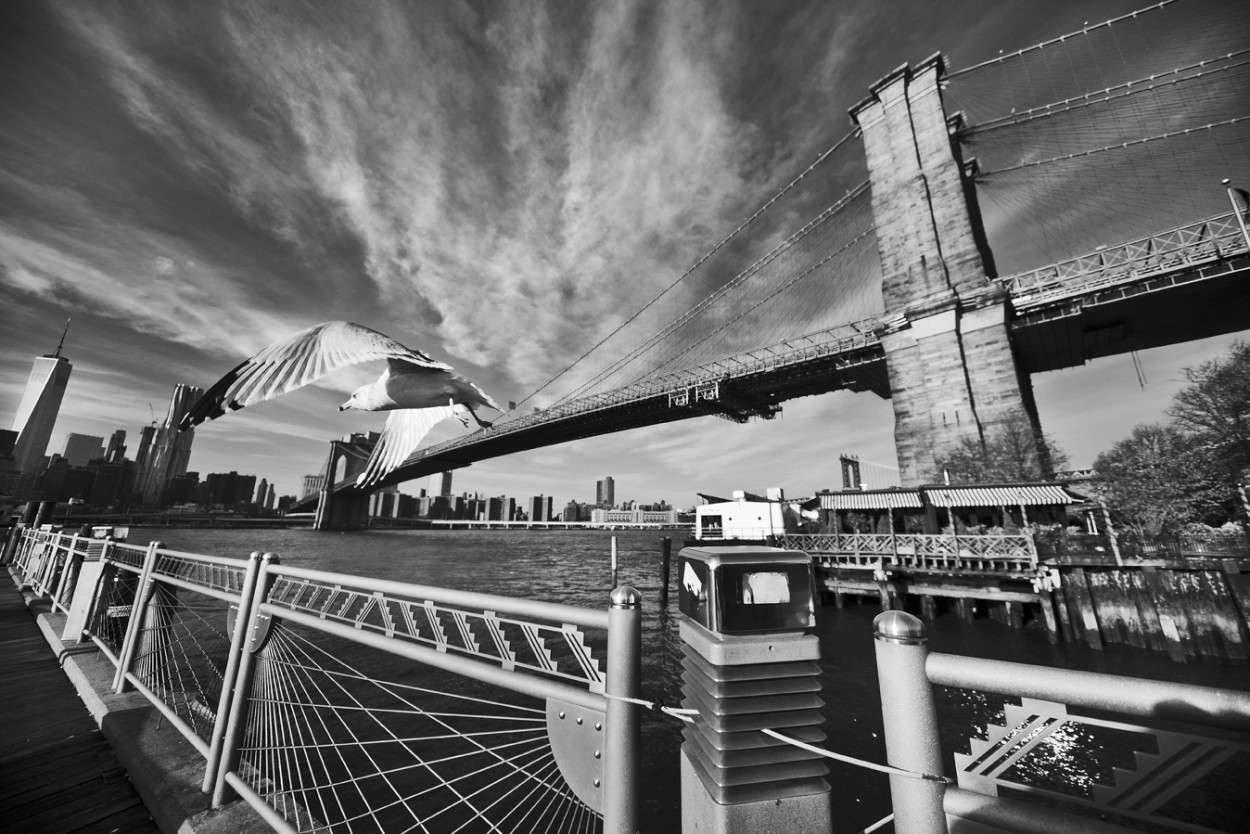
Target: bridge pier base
{"type": "Point", "coordinates": [347, 510]}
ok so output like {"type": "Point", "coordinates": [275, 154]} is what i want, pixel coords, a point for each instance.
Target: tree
{"type": "Point", "coordinates": [1148, 479]}
{"type": "Point", "coordinates": [1214, 410]}
{"type": "Point", "coordinates": [1013, 452]}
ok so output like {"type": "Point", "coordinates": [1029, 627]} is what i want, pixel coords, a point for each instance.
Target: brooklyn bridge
{"type": "Point", "coordinates": [975, 226]}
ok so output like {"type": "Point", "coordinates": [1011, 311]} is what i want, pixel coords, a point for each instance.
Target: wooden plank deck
{"type": "Point", "coordinates": [57, 772]}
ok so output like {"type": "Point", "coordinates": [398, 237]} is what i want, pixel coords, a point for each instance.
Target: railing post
{"type": "Point", "coordinates": [67, 565]}
{"type": "Point", "coordinates": [11, 542]}
{"type": "Point", "coordinates": [86, 593]}
{"type": "Point", "coordinates": [25, 549]}
{"type": "Point", "coordinates": [620, 766]}
{"type": "Point", "coordinates": [236, 721]}
{"type": "Point", "coordinates": [138, 611]}
{"type": "Point", "coordinates": [911, 730]}
{"type": "Point", "coordinates": [47, 556]}
{"type": "Point", "coordinates": [238, 640]}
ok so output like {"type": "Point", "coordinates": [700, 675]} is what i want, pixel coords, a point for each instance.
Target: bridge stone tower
{"type": "Point", "coordinates": [347, 508]}
{"type": "Point", "coordinates": [944, 330]}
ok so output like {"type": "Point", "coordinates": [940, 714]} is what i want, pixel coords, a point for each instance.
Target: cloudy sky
{"type": "Point", "coordinates": [497, 184]}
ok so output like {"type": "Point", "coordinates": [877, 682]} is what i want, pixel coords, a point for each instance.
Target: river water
{"type": "Point", "coordinates": [573, 567]}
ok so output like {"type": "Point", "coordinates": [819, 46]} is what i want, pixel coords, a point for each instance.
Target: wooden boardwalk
{"type": "Point", "coordinates": [57, 772]}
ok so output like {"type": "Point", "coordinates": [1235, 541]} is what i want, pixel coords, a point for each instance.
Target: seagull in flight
{"type": "Point", "coordinates": [417, 390]}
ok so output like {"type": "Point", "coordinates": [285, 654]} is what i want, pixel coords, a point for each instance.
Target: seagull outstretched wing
{"type": "Point", "coordinates": [295, 362]}
{"type": "Point", "coordinates": [403, 432]}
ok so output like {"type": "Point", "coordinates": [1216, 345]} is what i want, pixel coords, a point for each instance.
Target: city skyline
{"type": "Point", "coordinates": [216, 204]}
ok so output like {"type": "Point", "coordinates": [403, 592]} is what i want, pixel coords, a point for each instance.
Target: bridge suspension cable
{"type": "Point", "coordinates": [1128, 88]}
{"type": "Point", "coordinates": [1085, 30]}
{"type": "Point", "coordinates": [1113, 133]}
{"type": "Point", "coordinates": [714, 281]}
{"type": "Point", "coordinates": [722, 292]}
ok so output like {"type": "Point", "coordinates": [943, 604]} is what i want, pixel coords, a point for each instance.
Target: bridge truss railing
{"type": "Point", "coordinates": [689, 385]}
{"type": "Point", "coordinates": [1190, 246]}
{"type": "Point", "coordinates": [332, 702]}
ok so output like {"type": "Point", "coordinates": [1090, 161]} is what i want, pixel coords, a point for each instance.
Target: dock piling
{"type": "Point", "coordinates": [666, 559]}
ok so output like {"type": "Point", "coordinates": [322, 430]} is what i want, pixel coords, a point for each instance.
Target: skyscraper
{"type": "Point", "coordinates": [41, 402]}
{"type": "Point", "coordinates": [81, 449]}
{"type": "Point", "coordinates": [170, 451]}
{"type": "Point", "coordinates": [605, 493]}
{"type": "Point", "coordinates": [445, 489]}
{"type": "Point", "coordinates": [116, 451]}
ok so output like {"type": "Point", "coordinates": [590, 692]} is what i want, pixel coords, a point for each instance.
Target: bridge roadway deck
{"type": "Point", "coordinates": [1183, 284]}
{"type": "Point", "coordinates": [76, 757]}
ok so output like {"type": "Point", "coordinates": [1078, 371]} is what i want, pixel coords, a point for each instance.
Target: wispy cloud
{"type": "Point", "coordinates": [499, 184]}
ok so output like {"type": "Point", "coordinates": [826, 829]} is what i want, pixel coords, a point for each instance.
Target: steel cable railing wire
{"type": "Point", "coordinates": [766, 228]}
{"type": "Point", "coordinates": [1112, 133]}
{"type": "Point", "coordinates": [181, 657]}
{"type": "Point", "coordinates": [108, 622]}
{"type": "Point", "coordinates": [334, 749]}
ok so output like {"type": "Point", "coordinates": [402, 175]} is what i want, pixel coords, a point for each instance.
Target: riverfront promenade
{"type": "Point", "coordinates": [76, 757]}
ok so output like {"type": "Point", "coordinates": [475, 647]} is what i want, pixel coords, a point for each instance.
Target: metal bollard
{"type": "Point", "coordinates": [911, 731]}
{"type": "Point", "coordinates": [620, 766]}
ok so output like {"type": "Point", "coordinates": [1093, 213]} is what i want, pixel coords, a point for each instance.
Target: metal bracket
{"type": "Point", "coordinates": [261, 630]}
{"type": "Point", "coordinates": [577, 740]}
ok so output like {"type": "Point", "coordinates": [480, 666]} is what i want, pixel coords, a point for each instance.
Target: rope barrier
{"type": "Point", "coordinates": [687, 715]}
{"type": "Point", "coordinates": [890, 769]}
{"type": "Point", "coordinates": [887, 818]}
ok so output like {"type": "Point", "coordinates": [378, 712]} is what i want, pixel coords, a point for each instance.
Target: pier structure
{"type": "Point", "coordinates": [1187, 606]}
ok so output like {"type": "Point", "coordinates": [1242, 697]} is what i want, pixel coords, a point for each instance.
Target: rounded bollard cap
{"type": "Point", "coordinates": [626, 596]}
{"type": "Point", "coordinates": [899, 627]}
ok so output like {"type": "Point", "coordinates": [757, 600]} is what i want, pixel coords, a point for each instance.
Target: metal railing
{"type": "Point", "coordinates": [1175, 735]}
{"type": "Point", "coordinates": [332, 702]}
{"type": "Point", "coordinates": [916, 551]}
{"type": "Point", "coordinates": [1186, 247]}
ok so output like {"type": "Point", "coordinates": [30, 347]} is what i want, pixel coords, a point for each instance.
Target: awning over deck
{"type": "Point", "coordinates": [990, 495]}
{"type": "Point", "coordinates": [871, 500]}
{"type": "Point", "coordinates": [1012, 495]}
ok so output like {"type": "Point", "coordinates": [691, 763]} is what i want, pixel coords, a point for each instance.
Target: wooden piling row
{"type": "Point", "coordinates": [1187, 608]}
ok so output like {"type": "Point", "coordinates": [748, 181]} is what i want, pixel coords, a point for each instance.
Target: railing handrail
{"type": "Point", "coordinates": [553, 611]}
{"type": "Point", "coordinates": [1209, 706]}
{"type": "Point", "coordinates": [522, 682]}
{"type": "Point", "coordinates": [1053, 275]}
